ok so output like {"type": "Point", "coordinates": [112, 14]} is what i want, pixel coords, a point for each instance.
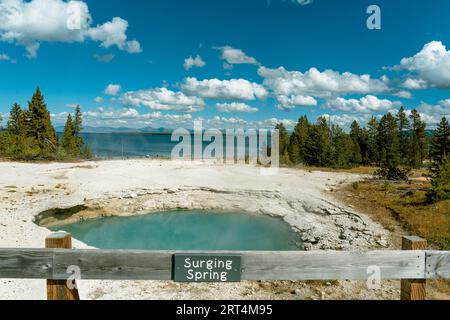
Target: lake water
{"type": "Point", "coordinates": [133, 145]}
{"type": "Point", "coordinates": [187, 230]}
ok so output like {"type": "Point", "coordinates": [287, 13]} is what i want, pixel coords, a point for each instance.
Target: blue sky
{"type": "Point", "coordinates": [253, 62]}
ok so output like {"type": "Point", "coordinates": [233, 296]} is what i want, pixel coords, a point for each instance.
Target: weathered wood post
{"type": "Point", "coordinates": [58, 289]}
{"type": "Point", "coordinates": [413, 289]}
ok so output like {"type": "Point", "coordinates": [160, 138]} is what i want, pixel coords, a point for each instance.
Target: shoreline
{"type": "Point", "coordinates": [127, 187]}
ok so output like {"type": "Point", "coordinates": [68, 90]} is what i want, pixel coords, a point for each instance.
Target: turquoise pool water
{"type": "Point", "coordinates": [187, 230]}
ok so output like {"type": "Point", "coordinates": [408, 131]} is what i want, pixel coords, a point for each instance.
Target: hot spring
{"type": "Point", "coordinates": [187, 230]}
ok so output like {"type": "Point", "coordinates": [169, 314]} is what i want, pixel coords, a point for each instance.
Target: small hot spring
{"type": "Point", "coordinates": [187, 230]}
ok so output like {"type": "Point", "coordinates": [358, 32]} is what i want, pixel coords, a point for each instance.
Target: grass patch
{"type": "Point", "coordinates": [406, 203]}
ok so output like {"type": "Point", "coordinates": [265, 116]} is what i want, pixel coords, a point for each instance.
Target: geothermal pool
{"type": "Point", "coordinates": [187, 230]}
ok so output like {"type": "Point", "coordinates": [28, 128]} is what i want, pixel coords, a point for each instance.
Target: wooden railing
{"type": "Point", "coordinates": [414, 265]}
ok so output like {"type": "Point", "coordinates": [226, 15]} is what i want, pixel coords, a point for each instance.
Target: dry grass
{"type": "Point", "coordinates": [405, 203]}
{"type": "Point", "coordinates": [402, 209]}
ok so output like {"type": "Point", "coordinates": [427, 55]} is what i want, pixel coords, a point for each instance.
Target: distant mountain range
{"type": "Point", "coordinates": [88, 129]}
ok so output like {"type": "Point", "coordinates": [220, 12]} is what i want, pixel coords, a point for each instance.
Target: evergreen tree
{"type": "Point", "coordinates": [440, 143]}
{"type": "Point", "coordinates": [69, 141]}
{"type": "Point", "coordinates": [360, 141]}
{"type": "Point", "coordinates": [39, 123]}
{"type": "Point", "coordinates": [87, 152]}
{"type": "Point", "coordinates": [403, 129]}
{"type": "Point", "coordinates": [78, 126]}
{"type": "Point", "coordinates": [417, 146]}
{"type": "Point", "coordinates": [318, 147]}
{"type": "Point", "coordinates": [388, 141]}
{"type": "Point", "coordinates": [16, 122]}
{"type": "Point", "coordinates": [440, 182]}
{"type": "Point", "coordinates": [346, 152]}
{"type": "Point", "coordinates": [299, 140]}
{"type": "Point", "coordinates": [373, 154]}
{"type": "Point", "coordinates": [283, 143]}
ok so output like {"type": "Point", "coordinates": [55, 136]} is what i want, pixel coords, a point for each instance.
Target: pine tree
{"type": "Point", "coordinates": [359, 138]}
{"type": "Point", "coordinates": [417, 146]}
{"type": "Point", "coordinates": [299, 140]}
{"type": "Point", "coordinates": [87, 152]}
{"type": "Point", "coordinates": [78, 126]}
{"type": "Point", "coordinates": [283, 143]}
{"type": "Point", "coordinates": [440, 181]}
{"type": "Point", "coordinates": [16, 122]}
{"type": "Point", "coordinates": [346, 152]}
{"type": "Point", "coordinates": [440, 143]}
{"type": "Point", "coordinates": [39, 123]}
{"type": "Point", "coordinates": [69, 141]}
{"type": "Point", "coordinates": [319, 143]}
{"type": "Point", "coordinates": [373, 153]}
{"type": "Point", "coordinates": [403, 129]}
{"type": "Point", "coordinates": [388, 142]}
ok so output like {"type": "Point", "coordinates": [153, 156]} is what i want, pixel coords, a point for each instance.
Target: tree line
{"type": "Point", "coordinates": [396, 143]}
{"type": "Point", "coordinates": [30, 135]}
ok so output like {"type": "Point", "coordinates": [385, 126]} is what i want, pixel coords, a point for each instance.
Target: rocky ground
{"type": "Point", "coordinates": [142, 186]}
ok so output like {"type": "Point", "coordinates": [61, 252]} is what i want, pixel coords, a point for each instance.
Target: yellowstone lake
{"type": "Point", "coordinates": [187, 230]}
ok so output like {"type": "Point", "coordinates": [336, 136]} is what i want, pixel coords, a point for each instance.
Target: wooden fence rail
{"type": "Point", "coordinates": [53, 264]}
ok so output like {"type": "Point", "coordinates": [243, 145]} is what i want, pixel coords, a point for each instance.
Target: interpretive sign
{"type": "Point", "coordinates": [206, 268]}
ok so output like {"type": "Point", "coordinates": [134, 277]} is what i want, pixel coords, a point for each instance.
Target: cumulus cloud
{"type": "Point", "coordinates": [235, 107]}
{"type": "Point", "coordinates": [345, 120]}
{"type": "Point", "coordinates": [5, 57]}
{"type": "Point", "coordinates": [431, 65]}
{"type": "Point", "coordinates": [193, 62]}
{"type": "Point", "coordinates": [320, 84]}
{"type": "Point", "coordinates": [163, 99]}
{"type": "Point", "coordinates": [235, 56]}
{"type": "Point", "coordinates": [128, 117]}
{"type": "Point", "coordinates": [368, 103]}
{"type": "Point", "coordinates": [28, 23]}
{"type": "Point", "coordinates": [432, 114]}
{"type": "Point", "coordinates": [235, 122]}
{"type": "Point", "coordinates": [234, 89]}
{"type": "Point", "coordinates": [99, 99]}
{"type": "Point", "coordinates": [113, 89]}
{"type": "Point", "coordinates": [287, 103]}
{"type": "Point", "coordinates": [414, 84]}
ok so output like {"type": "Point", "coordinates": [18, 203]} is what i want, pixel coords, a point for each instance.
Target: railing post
{"type": "Point", "coordinates": [58, 289]}
{"type": "Point", "coordinates": [413, 289]}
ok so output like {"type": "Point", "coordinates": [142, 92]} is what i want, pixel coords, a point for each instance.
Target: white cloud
{"type": "Point", "coordinates": [445, 103]}
{"type": "Point", "coordinates": [163, 99]}
{"type": "Point", "coordinates": [5, 57]}
{"type": "Point", "coordinates": [345, 120]}
{"type": "Point", "coordinates": [104, 58]}
{"type": "Point", "coordinates": [113, 89]}
{"type": "Point", "coordinates": [432, 114]}
{"type": "Point", "coordinates": [431, 64]}
{"type": "Point", "coordinates": [235, 107]}
{"type": "Point", "coordinates": [368, 103]}
{"type": "Point", "coordinates": [403, 94]}
{"type": "Point", "coordinates": [193, 62]}
{"type": "Point", "coordinates": [320, 84]}
{"type": "Point", "coordinates": [235, 56]}
{"type": "Point", "coordinates": [28, 23]}
{"type": "Point", "coordinates": [414, 84]}
{"type": "Point", "coordinates": [234, 89]}
{"type": "Point", "coordinates": [126, 117]}
{"type": "Point", "coordinates": [287, 103]}
{"type": "Point", "coordinates": [99, 99]}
